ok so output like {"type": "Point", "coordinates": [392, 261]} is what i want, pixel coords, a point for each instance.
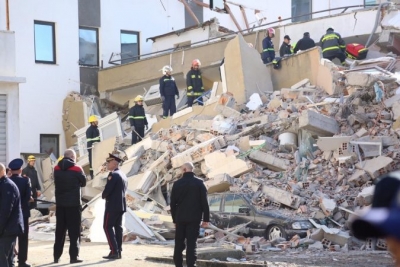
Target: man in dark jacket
{"type": "Point", "coordinates": [92, 136]}
{"type": "Point", "coordinates": [285, 49]}
{"type": "Point", "coordinates": [24, 187]}
{"type": "Point", "coordinates": [68, 180]}
{"type": "Point", "coordinates": [189, 205]}
{"type": "Point", "coordinates": [137, 119]}
{"type": "Point", "coordinates": [168, 91]}
{"type": "Point", "coordinates": [268, 53]}
{"type": "Point", "coordinates": [304, 43]}
{"type": "Point", "coordinates": [30, 171]}
{"type": "Point", "coordinates": [194, 82]}
{"type": "Point", "coordinates": [114, 194]}
{"type": "Point", "coordinates": [11, 219]}
{"type": "Point", "coordinates": [333, 46]}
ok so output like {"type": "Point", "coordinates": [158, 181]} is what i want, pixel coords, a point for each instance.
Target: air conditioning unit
{"type": "Point", "coordinates": [153, 96]}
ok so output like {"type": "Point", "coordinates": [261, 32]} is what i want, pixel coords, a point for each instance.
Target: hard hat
{"type": "Point", "coordinates": [330, 29]}
{"type": "Point", "coordinates": [92, 118]}
{"type": "Point", "coordinates": [166, 69]}
{"type": "Point", "coordinates": [60, 158]}
{"type": "Point", "coordinates": [271, 31]}
{"type": "Point", "coordinates": [31, 157]}
{"type": "Point", "coordinates": [138, 98]}
{"type": "Point", "coordinates": [196, 62]}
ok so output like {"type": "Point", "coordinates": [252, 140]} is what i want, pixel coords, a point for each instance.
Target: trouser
{"type": "Point", "coordinates": [140, 131]}
{"type": "Point", "coordinates": [169, 106]}
{"type": "Point", "coordinates": [190, 232]}
{"type": "Point", "coordinates": [266, 58]}
{"type": "Point", "coordinates": [7, 244]}
{"type": "Point", "coordinates": [68, 218]}
{"type": "Point", "coordinates": [90, 162]}
{"type": "Point", "coordinates": [112, 226]}
{"type": "Point", "coordinates": [190, 100]}
{"type": "Point", "coordinates": [340, 55]}
{"type": "Point", "coordinates": [23, 243]}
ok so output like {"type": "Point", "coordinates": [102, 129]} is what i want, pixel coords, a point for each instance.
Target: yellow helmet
{"type": "Point", "coordinates": [31, 157]}
{"type": "Point", "coordinates": [92, 118]}
{"type": "Point", "coordinates": [138, 98]}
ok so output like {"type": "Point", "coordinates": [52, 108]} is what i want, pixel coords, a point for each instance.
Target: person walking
{"type": "Point", "coordinates": [194, 82]}
{"type": "Point", "coordinates": [114, 194]}
{"type": "Point", "coordinates": [304, 43]}
{"type": "Point", "coordinates": [268, 53]}
{"type": "Point", "coordinates": [137, 119]}
{"type": "Point", "coordinates": [333, 46]}
{"type": "Point", "coordinates": [189, 206]}
{"type": "Point", "coordinates": [30, 171]}
{"type": "Point", "coordinates": [24, 187]}
{"type": "Point", "coordinates": [92, 136]}
{"type": "Point", "coordinates": [11, 219]}
{"type": "Point", "coordinates": [168, 92]}
{"type": "Point", "coordinates": [69, 178]}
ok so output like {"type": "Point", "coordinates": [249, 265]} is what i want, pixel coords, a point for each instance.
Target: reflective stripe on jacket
{"type": "Point", "coordinates": [137, 116]}
{"type": "Point", "coordinates": [194, 82]}
{"type": "Point", "coordinates": [332, 43]}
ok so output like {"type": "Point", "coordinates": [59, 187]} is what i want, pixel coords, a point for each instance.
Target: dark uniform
{"type": "Point", "coordinates": [268, 53]}
{"type": "Point", "coordinates": [24, 187]}
{"type": "Point", "coordinates": [114, 194]}
{"type": "Point", "coordinates": [11, 220]}
{"type": "Point", "coordinates": [92, 136]}
{"type": "Point", "coordinates": [68, 180]}
{"type": "Point", "coordinates": [195, 88]}
{"type": "Point", "coordinates": [189, 206]}
{"type": "Point", "coordinates": [30, 171]}
{"type": "Point", "coordinates": [333, 46]}
{"type": "Point", "coordinates": [285, 49]}
{"type": "Point", "coordinates": [304, 43]}
{"type": "Point", "coordinates": [137, 118]}
{"type": "Point", "coordinates": [168, 90]}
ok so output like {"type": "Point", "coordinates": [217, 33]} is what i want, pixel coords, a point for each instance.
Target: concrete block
{"type": "Point", "coordinates": [227, 111]}
{"type": "Point", "coordinates": [201, 125]}
{"type": "Point", "coordinates": [268, 160]}
{"type": "Point", "coordinates": [218, 163]}
{"type": "Point", "coordinates": [327, 205]}
{"type": "Point", "coordinates": [332, 143]}
{"type": "Point", "coordinates": [377, 166]}
{"type": "Point", "coordinates": [131, 166]}
{"type": "Point", "coordinates": [219, 183]}
{"type": "Point", "coordinates": [317, 235]}
{"type": "Point", "coordinates": [340, 238]}
{"type": "Point", "coordinates": [358, 78]}
{"type": "Point", "coordinates": [316, 246]}
{"type": "Point", "coordinates": [318, 124]}
{"type": "Point", "coordinates": [362, 132]}
{"type": "Point", "coordinates": [282, 196]}
{"type": "Point", "coordinates": [141, 183]}
{"type": "Point", "coordinates": [364, 198]}
{"type": "Point", "coordinates": [358, 178]}
{"type": "Point", "coordinates": [136, 150]}
{"type": "Point", "coordinates": [390, 101]}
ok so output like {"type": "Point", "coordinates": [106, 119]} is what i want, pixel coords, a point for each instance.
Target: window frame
{"type": "Point", "coordinates": [138, 43]}
{"type": "Point", "coordinates": [298, 17]}
{"type": "Point", "coordinates": [57, 136]}
{"type": "Point", "coordinates": [221, 198]}
{"type": "Point", "coordinates": [97, 46]}
{"type": "Point", "coordinates": [53, 25]}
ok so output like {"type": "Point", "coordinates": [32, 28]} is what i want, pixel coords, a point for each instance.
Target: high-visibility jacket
{"type": "Point", "coordinates": [168, 86]}
{"type": "Point", "coordinates": [137, 117]}
{"type": "Point", "coordinates": [92, 136]}
{"type": "Point", "coordinates": [194, 83]}
{"type": "Point", "coordinates": [331, 44]}
{"type": "Point", "coordinates": [268, 49]}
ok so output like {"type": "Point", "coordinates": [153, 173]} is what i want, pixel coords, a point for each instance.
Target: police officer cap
{"type": "Point", "coordinates": [112, 157]}
{"type": "Point", "coordinates": [15, 164]}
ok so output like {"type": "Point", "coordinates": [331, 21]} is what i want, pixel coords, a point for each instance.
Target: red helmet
{"type": "Point", "coordinates": [196, 62]}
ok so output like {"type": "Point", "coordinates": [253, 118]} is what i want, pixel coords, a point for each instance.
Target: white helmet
{"type": "Point", "coordinates": [166, 69]}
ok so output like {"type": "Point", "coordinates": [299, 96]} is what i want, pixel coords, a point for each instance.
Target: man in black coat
{"type": "Point", "coordinates": [114, 194]}
{"type": "Point", "coordinates": [304, 43]}
{"type": "Point", "coordinates": [189, 206]}
{"type": "Point", "coordinates": [68, 180]}
{"type": "Point", "coordinates": [30, 171]}
{"type": "Point", "coordinates": [137, 119]}
{"type": "Point", "coordinates": [24, 187]}
{"type": "Point", "coordinates": [11, 219]}
{"type": "Point", "coordinates": [285, 49]}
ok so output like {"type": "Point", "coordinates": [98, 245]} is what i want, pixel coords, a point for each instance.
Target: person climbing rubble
{"type": "Point", "coordinates": [168, 92]}
{"type": "Point", "coordinates": [137, 119]}
{"type": "Point", "coordinates": [92, 136]}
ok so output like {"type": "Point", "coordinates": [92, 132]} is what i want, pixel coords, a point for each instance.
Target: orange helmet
{"type": "Point", "coordinates": [196, 62]}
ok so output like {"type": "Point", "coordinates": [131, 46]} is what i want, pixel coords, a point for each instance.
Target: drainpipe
{"type": "Point", "coordinates": [187, 7]}
{"type": "Point", "coordinates": [232, 16]}
{"type": "Point", "coordinates": [245, 18]}
{"type": "Point", "coordinates": [7, 16]}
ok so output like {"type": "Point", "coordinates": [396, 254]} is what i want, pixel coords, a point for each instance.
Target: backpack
{"type": "Point", "coordinates": [356, 51]}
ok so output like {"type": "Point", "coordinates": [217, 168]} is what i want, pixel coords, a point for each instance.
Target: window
{"type": "Point", "coordinates": [129, 46]}
{"type": "Point", "coordinates": [299, 8]}
{"type": "Point", "coordinates": [233, 203]}
{"type": "Point", "coordinates": [214, 203]}
{"type": "Point", "coordinates": [370, 2]}
{"type": "Point", "coordinates": [88, 46]}
{"type": "Point", "coordinates": [45, 42]}
{"type": "Point", "coordinates": [50, 144]}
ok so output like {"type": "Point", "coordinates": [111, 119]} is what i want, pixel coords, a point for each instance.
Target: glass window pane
{"type": "Point", "coordinates": [88, 47]}
{"type": "Point", "coordinates": [44, 40]}
{"type": "Point", "coordinates": [299, 8]}
{"type": "Point", "coordinates": [129, 46]}
{"type": "Point", "coordinates": [215, 203]}
{"type": "Point", "coordinates": [49, 144]}
{"type": "Point", "coordinates": [233, 203]}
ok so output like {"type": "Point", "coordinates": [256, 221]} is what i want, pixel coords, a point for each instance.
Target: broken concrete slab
{"type": "Point", "coordinates": [377, 166]}
{"type": "Point", "coordinates": [282, 196]}
{"type": "Point", "coordinates": [358, 178]}
{"type": "Point", "coordinates": [269, 161]}
{"type": "Point", "coordinates": [333, 143]}
{"type": "Point", "coordinates": [142, 182]}
{"type": "Point", "coordinates": [318, 124]}
{"type": "Point", "coordinates": [300, 84]}
{"type": "Point", "coordinates": [358, 78]}
{"type": "Point", "coordinates": [219, 183]}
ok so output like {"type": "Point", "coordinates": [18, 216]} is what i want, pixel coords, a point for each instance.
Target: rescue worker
{"type": "Point", "coordinates": [333, 46]}
{"type": "Point", "coordinates": [268, 53]}
{"type": "Point", "coordinates": [30, 171]}
{"type": "Point", "coordinates": [137, 118]}
{"type": "Point", "coordinates": [194, 81]}
{"type": "Point", "coordinates": [285, 49]}
{"type": "Point", "coordinates": [24, 187]}
{"type": "Point", "coordinates": [304, 43]}
{"type": "Point", "coordinates": [92, 136]}
{"type": "Point", "coordinates": [168, 90]}
{"type": "Point", "coordinates": [69, 178]}
{"type": "Point", "coordinates": [11, 219]}
{"type": "Point", "coordinates": [189, 206]}
{"type": "Point", "coordinates": [114, 194]}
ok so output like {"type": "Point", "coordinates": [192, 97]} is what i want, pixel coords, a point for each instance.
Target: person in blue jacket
{"type": "Point", "coordinates": [168, 92]}
{"type": "Point", "coordinates": [268, 53]}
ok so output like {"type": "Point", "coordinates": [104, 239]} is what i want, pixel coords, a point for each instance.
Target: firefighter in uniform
{"type": "Point", "coordinates": [114, 194]}
{"type": "Point", "coordinates": [333, 46]}
{"type": "Point", "coordinates": [168, 91]}
{"type": "Point", "coordinates": [194, 82]}
{"type": "Point", "coordinates": [268, 53]}
{"type": "Point", "coordinates": [30, 172]}
{"type": "Point", "coordinates": [24, 187]}
{"type": "Point", "coordinates": [92, 136]}
{"type": "Point", "coordinates": [137, 118]}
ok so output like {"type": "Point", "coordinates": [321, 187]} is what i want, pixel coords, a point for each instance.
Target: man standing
{"type": "Point", "coordinates": [168, 90]}
{"type": "Point", "coordinates": [92, 136]}
{"type": "Point", "coordinates": [68, 180]}
{"type": "Point", "coordinates": [30, 171]}
{"type": "Point", "coordinates": [285, 49]}
{"type": "Point", "coordinates": [114, 194]}
{"type": "Point", "coordinates": [11, 219]}
{"type": "Point", "coordinates": [24, 187]}
{"type": "Point", "coordinates": [268, 53]}
{"type": "Point", "coordinates": [194, 82]}
{"type": "Point", "coordinates": [304, 43]}
{"type": "Point", "coordinates": [189, 206]}
{"type": "Point", "coordinates": [137, 118]}
{"type": "Point", "coordinates": [333, 46]}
